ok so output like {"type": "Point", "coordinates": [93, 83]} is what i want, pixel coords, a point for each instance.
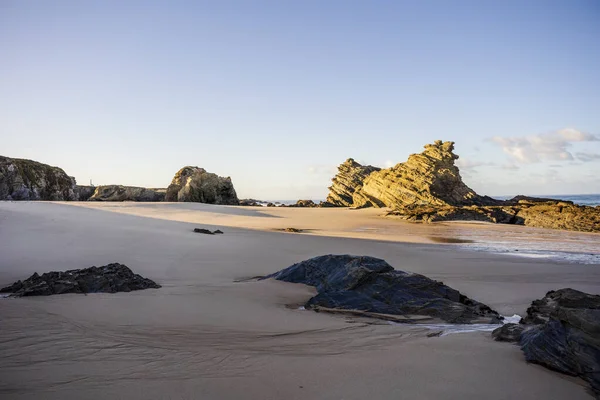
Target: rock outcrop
{"type": "Point", "coordinates": [110, 278]}
{"type": "Point", "coordinates": [427, 178]}
{"type": "Point", "coordinates": [552, 214]}
{"type": "Point", "coordinates": [350, 179]}
{"type": "Point", "coordinates": [126, 193]}
{"type": "Point", "coordinates": [372, 286]}
{"type": "Point", "coordinates": [30, 180]}
{"type": "Point", "coordinates": [193, 184]}
{"type": "Point", "coordinates": [428, 188]}
{"type": "Point", "coordinates": [562, 332]}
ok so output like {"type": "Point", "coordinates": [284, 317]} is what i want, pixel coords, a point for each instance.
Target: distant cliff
{"type": "Point", "coordinates": [30, 180]}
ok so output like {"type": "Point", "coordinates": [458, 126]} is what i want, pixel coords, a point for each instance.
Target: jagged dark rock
{"type": "Point", "coordinates": [508, 332]}
{"type": "Point", "coordinates": [193, 184]}
{"type": "Point", "coordinates": [110, 278]}
{"type": "Point", "coordinates": [207, 231]}
{"type": "Point", "coordinates": [30, 180]}
{"type": "Point", "coordinates": [126, 193]}
{"type": "Point", "coordinates": [371, 285]}
{"type": "Point", "coordinates": [562, 332]}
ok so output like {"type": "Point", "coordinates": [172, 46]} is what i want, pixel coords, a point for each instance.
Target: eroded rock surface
{"type": "Point", "coordinates": [371, 285]}
{"type": "Point", "coordinates": [427, 178]}
{"type": "Point", "coordinates": [30, 180]}
{"type": "Point", "coordinates": [126, 193]}
{"type": "Point", "coordinates": [350, 178]}
{"type": "Point", "coordinates": [193, 184]}
{"type": "Point", "coordinates": [561, 331]}
{"type": "Point", "coordinates": [110, 278]}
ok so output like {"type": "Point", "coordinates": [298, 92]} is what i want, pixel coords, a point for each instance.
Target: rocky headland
{"type": "Point", "coordinates": [428, 188]}
{"type": "Point", "coordinates": [30, 180]}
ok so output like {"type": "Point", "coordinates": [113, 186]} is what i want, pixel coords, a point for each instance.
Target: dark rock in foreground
{"type": "Point", "coordinates": [110, 278]}
{"type": "Point", "coordinates": [567, 335]}
{"type": "Point", "coordinates": [371, 285]}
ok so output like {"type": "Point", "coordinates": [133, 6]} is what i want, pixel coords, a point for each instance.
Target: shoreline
{"type": "Point", "coordinates": [371, 224]}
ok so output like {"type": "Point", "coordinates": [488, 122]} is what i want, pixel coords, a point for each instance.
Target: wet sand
{"type": "Point", "coordinates": [210, 334]}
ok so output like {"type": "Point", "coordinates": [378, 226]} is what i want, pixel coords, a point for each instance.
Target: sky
{"type": "Point", "coordinates": [277, 93]}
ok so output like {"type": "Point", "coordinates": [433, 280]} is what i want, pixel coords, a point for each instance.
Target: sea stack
{"type": "Point", "coordinates": [194, 184]}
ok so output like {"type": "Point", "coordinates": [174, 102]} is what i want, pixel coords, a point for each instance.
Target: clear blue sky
{"type": "Point", "coordinates": [275, 94]}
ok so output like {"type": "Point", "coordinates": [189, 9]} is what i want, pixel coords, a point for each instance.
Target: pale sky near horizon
{"type": "Point", "coordinates": [276, 94]}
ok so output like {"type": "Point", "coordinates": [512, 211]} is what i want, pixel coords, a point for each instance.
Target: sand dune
{"type": "Point", "coordinates": [210, 334]}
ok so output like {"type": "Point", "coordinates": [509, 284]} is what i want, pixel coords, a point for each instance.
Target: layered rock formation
{"type": "Point", "coordinates": [126, 193]}
{"type": "Point", "coordinates": [110, 278]}
{"type": "Point", "coordinates": [30, 180]}
{"type": "Point", "coordinates": [428, 188]}
{"type": "Point", "coordinates": [350, 179]}
{"type": "Point", "coordinates": [193, 184]}
{"type": "Point", "coordinates": [371, 286]}
{"type": "Point", "coordinates": [427, 178]}
{"type": "Point", "coordinates": [562, 332]}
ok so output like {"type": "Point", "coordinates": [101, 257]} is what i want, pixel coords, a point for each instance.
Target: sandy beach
{"type": "Point", "coordinates": [211, 333]}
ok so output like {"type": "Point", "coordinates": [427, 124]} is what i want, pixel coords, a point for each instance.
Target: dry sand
{"type": "Point", "coordinates": [206, 336]}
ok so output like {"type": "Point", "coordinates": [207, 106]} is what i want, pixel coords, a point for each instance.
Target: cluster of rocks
{"type": "Point", "coordinates": [541, 213]}
{"type": "Point", "coordinates": [31, 180]}
{"type": "Point", "coordinates": [428, 188]}
{"type": "Point", "coordinates": [562, 332]}
{"type": "Point", "coordinates": [372, 286]}
{"type": "Point", "coordinates": [110, 278]}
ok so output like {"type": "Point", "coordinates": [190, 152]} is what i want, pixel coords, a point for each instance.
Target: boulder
{"type": "Point", "coordinates": [371, 285]}
{"type": "Point", "coordinates": [562, 332]}
{"type": "Point", "coordinates": [30, 180]}
{"type": "Point", "coordinates": [193, 184]}
{"type": "Point", "coordinates": [110, 278]}
{"type": "Point", "coordinates": [126, 193]}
